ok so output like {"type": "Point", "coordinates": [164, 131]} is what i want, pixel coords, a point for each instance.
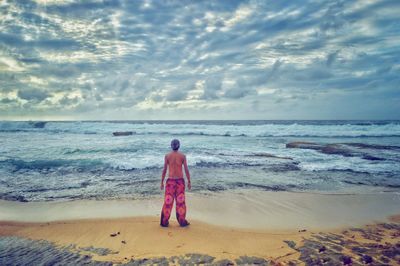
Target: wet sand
{"type": "Point", "coordinates": [242, 209]}
{"type": "Point", "coordinates": [278, 227]}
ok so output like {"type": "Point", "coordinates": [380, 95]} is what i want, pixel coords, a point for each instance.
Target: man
{"type": "Point", "coordinates": [175, 185]}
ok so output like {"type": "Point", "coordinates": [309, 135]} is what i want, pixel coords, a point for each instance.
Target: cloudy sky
{"type": "Point", "coordinates": [199, 59]}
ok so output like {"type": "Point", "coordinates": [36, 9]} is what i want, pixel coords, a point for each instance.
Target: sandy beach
{"type": "Point", "coordinates": [239, 228]}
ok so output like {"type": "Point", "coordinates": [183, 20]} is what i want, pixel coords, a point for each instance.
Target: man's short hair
{"type": "Point", "coordinates": [175, 144]}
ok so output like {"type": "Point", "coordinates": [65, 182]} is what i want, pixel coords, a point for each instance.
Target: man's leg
{"type": "Point", "coordinates": [180, 203]}
{"type": "Point", "coordinates": [168, 202]}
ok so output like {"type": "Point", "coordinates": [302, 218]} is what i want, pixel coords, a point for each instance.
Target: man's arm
{"type": "Point", "coordinates": [187, 172]}
{"type": "Point", "coordinates": [164, 172]}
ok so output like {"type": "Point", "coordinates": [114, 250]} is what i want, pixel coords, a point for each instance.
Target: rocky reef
{"type": "Point", "coordinates": [365, 151]}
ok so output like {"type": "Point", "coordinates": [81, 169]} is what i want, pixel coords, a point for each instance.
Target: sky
{"type": "Point", "coordinates": [120, 60]}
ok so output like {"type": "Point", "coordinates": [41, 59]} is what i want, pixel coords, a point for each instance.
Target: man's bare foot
{"type": "Point", "coordinates": [185, 224]}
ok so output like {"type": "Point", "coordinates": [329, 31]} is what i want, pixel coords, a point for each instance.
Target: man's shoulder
{"type": "Point", "coordinates": [175, 152]}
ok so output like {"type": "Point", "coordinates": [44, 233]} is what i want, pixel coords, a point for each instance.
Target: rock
{"type": "Point", "coordinates": [247, 260]}
{"type": "Point", "coordinates": [224, 262]}
{"type": "Point", "coordinates": [123, 242]}
{"type": "Point", "coordinates": [21, 251]}
{"type": "Point", "coordinates": [290, 243]}
{"type": "Point", "coordinates": [98, 251]}
{"type": "Point", "coordinates": [346, 260]}
{"type": "Point", "coordinates": [344, 149]}
{"type": "Point", "coordinates": [302, 145]}
{"type": "Point", "coordinates": [391, 252]}
{"type": "Point", "coordinates": [123, 133]}
{"type": "Point", "coordinates": [195, 259]}
{"type": "Point", "coordinates": [366, 259]}
{"type": "Point", "coordinates": [358, 249]}
{"type": "Point", "coordinates": [322, 249]}
{"type": "Point", "coordinates": [268, 155]}
{"type": "Point", "coordinates": [384, 259]}
{"type": "Point", "coordinates": [113, 234]}
{"type": "Point", "coordinates": [39, 124]}
{"type": "Point", "coordinates": [302, 230]}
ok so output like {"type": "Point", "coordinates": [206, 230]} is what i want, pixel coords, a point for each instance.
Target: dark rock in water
{"type": "Point", "coordinates": [344, 149]}
{"type": "Point", "coordinates": [246, 260]}
{"type": "Point", "coordinates": [302, 145]}
{"type": "Point", "coordinates": [260, 186]}
{"type": "Point", "coordinates": [268, 155]}
{"type": "Point", "coordinates": [39, 124]}
{"type": "Point", "coordinates": [373, 146]}
{"type": "Point", "coordinates": [324, 148]}
{"type": "Point", "coordinates": [13, 198]}
{"type": "Point", "coordinates": [282, 167]}
{"type": "Point", "coordinates": [123, 133]}
{"type": "Point", "coordinates": [372, 158]}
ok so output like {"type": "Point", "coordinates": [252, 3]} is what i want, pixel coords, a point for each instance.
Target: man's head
{"type": "Point", "coordinates": [175, 144]}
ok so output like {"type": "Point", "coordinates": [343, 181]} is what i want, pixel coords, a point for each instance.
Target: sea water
{"type": "Point", "coordinates": [54, 160]}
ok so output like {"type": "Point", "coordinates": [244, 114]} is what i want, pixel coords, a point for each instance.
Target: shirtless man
{"type": "Point", "coordinates": [175, 185]}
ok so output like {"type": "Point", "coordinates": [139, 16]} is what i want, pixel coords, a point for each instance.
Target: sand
{"type": "Point", "coordinates": [241, 209]}
{"type": "Point", "coordinates": [145, 238]}
{"type": "Point", "coordinates": [281, 227]}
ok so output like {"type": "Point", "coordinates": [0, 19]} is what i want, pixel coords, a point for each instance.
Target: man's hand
{"type": "Point", "coordinates": [189, 185]}
{"type": "Point", "coordinates": [162, 186]}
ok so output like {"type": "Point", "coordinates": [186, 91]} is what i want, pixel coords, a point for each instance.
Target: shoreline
{"type": "Point", "coordinates": [248, 210]}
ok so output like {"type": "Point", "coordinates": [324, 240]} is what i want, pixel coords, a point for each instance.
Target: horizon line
{"type": "Point", "coordinates": [146, 120]}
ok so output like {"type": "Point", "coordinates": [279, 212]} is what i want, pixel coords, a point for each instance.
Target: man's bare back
{"type": "Point", "coordinates": [174, 161]}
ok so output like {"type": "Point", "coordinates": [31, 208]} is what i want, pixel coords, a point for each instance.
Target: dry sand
{"type": "Point", "coordinates": [145, 238]}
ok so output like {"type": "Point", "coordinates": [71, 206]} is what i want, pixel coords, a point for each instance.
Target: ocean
{"type": "Point", "coordinates": [70, 160]}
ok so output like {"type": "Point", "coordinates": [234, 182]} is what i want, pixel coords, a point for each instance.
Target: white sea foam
{"type": "Point", "coordinates": [83, 159]}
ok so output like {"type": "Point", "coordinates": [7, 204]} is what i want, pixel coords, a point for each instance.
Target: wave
{"type": "Point", "coordinates": [78, 165]}
{"type": "Point", "coordinates": [283, 187]}
{"type": "Point", "coordinates": [226, 164]}
{"type": "Point", "coordinates": [228, 129]}
{"type": "Point", "coordinates": [94, 151]}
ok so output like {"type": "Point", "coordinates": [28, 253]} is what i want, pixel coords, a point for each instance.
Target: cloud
{"type": "Point", "coordinates": [90, 58]}
{"type": "Point", "coordinates": [211, 88]}
{"type": "Point", "coordinates": [176, 95]}
{"type": "Point", "coordinates": [33, 94]}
